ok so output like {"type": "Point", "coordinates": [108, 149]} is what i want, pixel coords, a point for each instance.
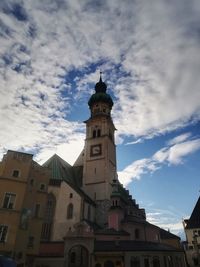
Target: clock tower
{"type": "Point", "coordinates": [100, 153]}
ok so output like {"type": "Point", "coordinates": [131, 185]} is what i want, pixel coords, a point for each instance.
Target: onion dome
{"type": "Point", "coordinates": [100, 95]}
{"type": "Point", "coordinates": [100, 87]}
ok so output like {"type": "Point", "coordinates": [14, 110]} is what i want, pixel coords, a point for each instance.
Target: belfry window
{"type": "Point", "coordinates": [98, 133]}
{"type": "Point", "coordinates": [94, 133]}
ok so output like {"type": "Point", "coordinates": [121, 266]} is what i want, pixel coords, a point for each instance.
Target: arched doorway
{"type": "Point", "coordinates": [78, 257]}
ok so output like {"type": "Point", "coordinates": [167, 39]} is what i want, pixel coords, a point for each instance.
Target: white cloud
{"type": "Point", "coordinates": [150, 75]}
{"type": "Point", "coordinates": [168, 219]}
{"type": "Point", "coordinates": [173, 154]}
{"type": "Point", "coordinates": [179, 151]}
{"type": "Point", "coordinates": [179, 139]}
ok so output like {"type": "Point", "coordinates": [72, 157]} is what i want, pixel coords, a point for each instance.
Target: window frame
{"type": "Point", "coordinates": [42, 187]}
{"type": "Point", "coordinates": [17, 173]}
{"type": "Point", "coordinates": [3, 227]}
{"type": "Point", "coordinates": [9, 201]}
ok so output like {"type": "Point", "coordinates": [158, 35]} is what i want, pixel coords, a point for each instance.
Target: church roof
{"type": "Point", "coordinates": [167, 235]}
{"type": "Point", "coordinates": [62, 171]}
{"type": "Point", "coordinates": [131, 245]}
{"type": "Point", "coordinates": [194, 220]}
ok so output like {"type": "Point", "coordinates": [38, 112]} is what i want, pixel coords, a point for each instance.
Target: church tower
{"type": "Point", "coordinates": [100, 153]}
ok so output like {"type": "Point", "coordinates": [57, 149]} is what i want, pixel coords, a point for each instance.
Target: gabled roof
{"type": "Point", "coordinates": [194, 221]}
{"type": "Point", "coordinates": [62, 171]}
{"type": "Point", "coordinates": [167, 235]}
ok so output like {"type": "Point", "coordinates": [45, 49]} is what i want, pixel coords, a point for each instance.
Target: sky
{"type": "Point", "coordinates": [51, 53]}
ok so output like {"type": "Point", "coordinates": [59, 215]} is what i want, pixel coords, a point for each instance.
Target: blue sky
{"type": "Point", "coordinates": [51, 53]}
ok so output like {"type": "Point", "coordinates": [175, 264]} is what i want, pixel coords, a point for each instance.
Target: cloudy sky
{"type": "Point", "coordinates": [51, 53]}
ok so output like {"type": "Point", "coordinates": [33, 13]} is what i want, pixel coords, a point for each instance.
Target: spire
{"type": "Point", "coordinates": [100, 87]}
{"type": "Point", "coordinates": [100, 79]}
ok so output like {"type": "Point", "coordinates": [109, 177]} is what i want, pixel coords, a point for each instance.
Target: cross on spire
{"type": "Point", "coordinates": [100, 79]}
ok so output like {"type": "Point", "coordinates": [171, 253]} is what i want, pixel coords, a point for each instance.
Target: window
{"type": "Point", "coordinates": [89, 212]}
{"type": "Point", "coordinates": [42, 187]}
{"type": "Point", "coordinates": [135, 262]}
{"type": "Point", "coordinates": [15, 173]}
{"type": "Point", "coordinates": [70, 211]}
{"type": "Point", "coordinates": [37, 210]}
{"type": "Point", "coordinates": [31, 241]}
{"type": "Point", "coordinates": [9, 201]}
{"type": "Point", "coordinates": [94, 133]}
{"type": "Point", "coordinates": [146, 263]}
{"type": "Point", "coordinates": [3, 232]}
{"type": "Point", "coordinates": [165, 261]}
{"type": "Point", "coordinates": [98, 133]}
{"type": "Point", "coordinates": [70, 195]}
{"type": "Point", "coordinates": [156, 262]}
{"type": "Point", "coordinates": [137, 233]}
{"type": "Point", "coordinates": [31, 182]}
{"type": "Point", "coordinates": [48, 217]}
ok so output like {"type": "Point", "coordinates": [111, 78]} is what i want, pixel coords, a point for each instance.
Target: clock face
{"type": "Point", "coordinates": [95, 150]}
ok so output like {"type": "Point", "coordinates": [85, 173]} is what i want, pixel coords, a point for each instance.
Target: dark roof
{"type": "Point", "coordinates": [130, 245]}
{"type": "Point", "coordinates": [167, 235]}
{"type": "Point", "coordinates": [62, 171]}
{"type": "Point", "coordinates": [111, 231]}
{"type": "Point", "coordinates": [194, 221]}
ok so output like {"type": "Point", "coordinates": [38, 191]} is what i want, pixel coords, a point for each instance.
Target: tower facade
{"type": "Point", "coordinates": [100, 153]}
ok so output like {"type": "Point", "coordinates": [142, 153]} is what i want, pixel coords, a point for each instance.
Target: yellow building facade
{"type": "Point", "coordinates": [23, 192]}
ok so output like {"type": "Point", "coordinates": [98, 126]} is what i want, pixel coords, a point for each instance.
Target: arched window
{"type": "Point", "coordinates": [70, 211]}
{"type": "Point", "coordinates": [137, 233]}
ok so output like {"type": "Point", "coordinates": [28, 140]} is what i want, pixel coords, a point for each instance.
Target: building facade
{"type": "Point", "coordinates": [89, 219]}
{"type": "Point", "coordinates": [111, 229]}
{"type": "Point", "coordinates": [23, 193]}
